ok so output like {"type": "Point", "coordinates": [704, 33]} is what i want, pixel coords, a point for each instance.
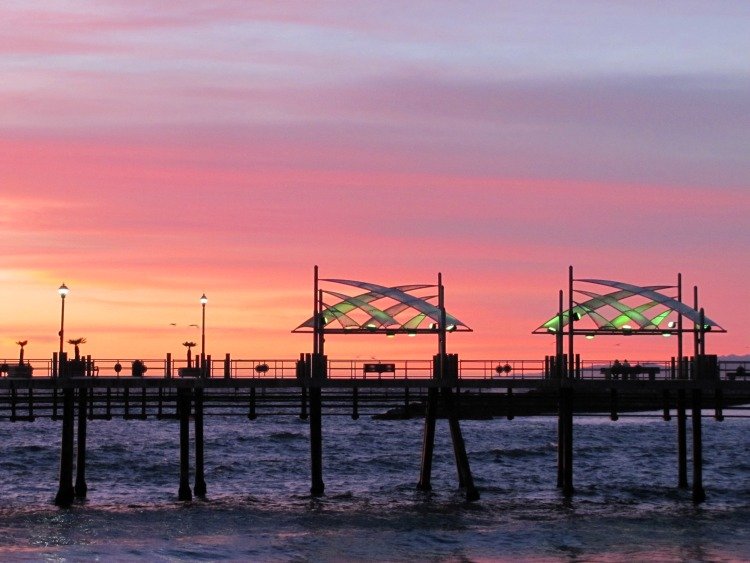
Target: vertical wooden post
{"type": "Point", "coordinates": [613, 415]}
{"type": "Point", "coordinates": [428, 440]}
{"type": "Point", "coordinates": [355, 402]}
{"type": "Point", "coordinates": [682, 480]}
{"type": "Point", "coordinates": [699, 495]}
{"type": "Point", "coordinates": [251, 415]}
{"type": "Point", "coordinates": [200, 481]}
{"type": "Point", "coordinates": [65, 491]}
{"type": "Point", "coordinates": [568, 463]}
{"type": "Point", "coordinates": [318, 373]}
{"type": "Point", "coordinates": [81, 488]}
{"type": "Point", "coordinates": [316, 442]}
{"type": "Point", "coordinates": [665, 405]}
{"type": "Point", "coordinates": [183, 408]}
{"type": "Point", "coordinates": [510, 414]}
{"type": "Point", "coordinates": [465, 479]}
{"type": "Point", "coordinates": [168, 366]}
{"type": "Point", "coordinates": [227, 367]}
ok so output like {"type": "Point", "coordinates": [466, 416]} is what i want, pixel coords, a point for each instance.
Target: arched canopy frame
{"type": "Point", "coordinates": [626, 310]}
{"type": "Point", "coordinates": [402, 309]}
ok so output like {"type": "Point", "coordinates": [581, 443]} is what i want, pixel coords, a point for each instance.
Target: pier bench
{"type": "Point", "coordinates": [630, 372]}
{"type": "Point", "coordinates": [378, 368]}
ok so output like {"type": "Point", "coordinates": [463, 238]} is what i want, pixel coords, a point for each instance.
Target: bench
{"type": "Point", "coordinates": [378, 368]}
{"type": "Point", "coordinates": [630, 372]}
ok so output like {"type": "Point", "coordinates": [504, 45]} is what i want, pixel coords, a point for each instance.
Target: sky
{"type": "Point", "coordinates": [151, 152]}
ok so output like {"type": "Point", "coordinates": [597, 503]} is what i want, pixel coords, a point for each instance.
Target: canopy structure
{"type": "Point", "coordinates": [625, 309]}
{"type": "Point", "coordinates": [374, 308]}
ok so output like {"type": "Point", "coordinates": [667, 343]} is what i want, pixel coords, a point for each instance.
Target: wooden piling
{"type": "Point", "coordinates": [303, 403]}
{"type": "Point", "coordinates": [719, 404]}
{"type": "Point", "coordinates": [355, 402]}
{"type": "Point", "coordinates": [568, 452]}
{"type": "Point", "coordinates": [65, 491]}
{"type": "Point", "coordinates": [682, 480]}
{"type": "Point", "coordinates": [465, 479]}
{"type": "Point", "coordinates": [428, 441]}
{"type": "Point", "coordinates": [316, 442]}
{"type": "Point", "coordinates": [251, 414]}
{"type": "Point", "coordinates": [200, 480]}
{"type": "Point", "coordinates": [613, 414]}
{"type": "Point", "coordinates": [183, 406]}
{"type": "Point", "coordinates": [13, 401]}
{"type": "Point", "coordinates": [699, 495]}
{"type": "Point", "coordinates": [665, 405]}
{"type": "Point", "coordinates": [80, 487]}
{"type": "Point", "coordinates": [510, 414]}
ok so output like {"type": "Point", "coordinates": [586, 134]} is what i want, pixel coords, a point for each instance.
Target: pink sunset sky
{"type": "Point", "coordinates": [154, 151]}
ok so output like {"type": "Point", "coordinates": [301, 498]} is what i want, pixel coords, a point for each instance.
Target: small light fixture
{"type": "Point", "coordinates": [450, 328]}
{"type": "Point", "coordinates": [589, 337]}
{"type": "Point", "coordinates": [671, 324]}
{"type": "Point", "coordinates": [412, 334]}
{"type": "Point", "coordinates": [390, 334]}
{"type": "Point", "coordinates": [433, 326]}
{"type": "Point", "coordinates": [576, 316]}
{"type": "Point", "coordinates": [204, 299]}
{"type": "Point", "coordinates": [666, 334]}
{"type": "Point", "coordinates": [63, 290]}
{"type": "Point", "coordinates": [551, 329]}
{"type": "Point", "coordinates": [371, 326]}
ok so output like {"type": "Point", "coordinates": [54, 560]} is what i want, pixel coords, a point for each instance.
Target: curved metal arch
{"type": "Point", "coordinates": [627, 313]}
{"type": "Point", "coordinates": [381, 317]}
{"type": "Point", "coordinates": [670, 302]}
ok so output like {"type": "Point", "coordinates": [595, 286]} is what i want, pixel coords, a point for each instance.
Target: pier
{"type": "Point", "coordinates": [260, 388]}
{"type": "Point", "coordinates": [314, 386]}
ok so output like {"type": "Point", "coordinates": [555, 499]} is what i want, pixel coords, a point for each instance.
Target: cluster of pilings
{"type": "Point", "coordinates": [565, 426]}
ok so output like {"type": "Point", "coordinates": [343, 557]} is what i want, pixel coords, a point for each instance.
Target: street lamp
{"type": "Point", "coordinates": [204, 300]}
{"type": "Point", "coordinates": [63, 291]}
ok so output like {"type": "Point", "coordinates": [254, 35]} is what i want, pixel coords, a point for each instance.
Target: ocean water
{"type": "Point", "coordinates": [258, 508]}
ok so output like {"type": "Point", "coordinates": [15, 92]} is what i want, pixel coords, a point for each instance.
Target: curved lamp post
{"type": "Point", "coordinates": [63, 291]}
{"type": "Point", "coordinates": [203, 300]}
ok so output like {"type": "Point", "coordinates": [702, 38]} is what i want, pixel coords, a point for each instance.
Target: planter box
{"type": "Point", "coordinates": [24, 370]}
{"type": "Point", "coordinates": [190, 372]}
{"type": "Point", "coordinates": [76, 368]}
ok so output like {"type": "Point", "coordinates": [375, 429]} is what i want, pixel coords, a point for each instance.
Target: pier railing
{"type": "Point", "coordinates": [263, 368]}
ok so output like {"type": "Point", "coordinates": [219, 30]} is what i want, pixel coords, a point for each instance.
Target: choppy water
{"type": "Point", "coordinates": [258, 507]}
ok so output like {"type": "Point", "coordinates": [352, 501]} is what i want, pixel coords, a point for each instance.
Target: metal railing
{"type": "Point", "coordinates": [342, 369]}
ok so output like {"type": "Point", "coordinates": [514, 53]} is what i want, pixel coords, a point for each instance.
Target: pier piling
{"type": "Point", "coordinates": [80, 487]}
{"type": "Point", "coordinates": [200, 480]}
{"type": "Point", "coordinates": [465, 479]}
{"type": "Point", "coordinates": [65, 491]}
{"type": "Point", "coordinates": [428, 441]}
{"type": "Point", "coordinates": [316, 442]}
{"type": "Point", "coordinates": [699, 495]}
{"type": "Point", "coordinates": [183, 407]}
{"type": "Point", "coordinates": [682, 480]}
